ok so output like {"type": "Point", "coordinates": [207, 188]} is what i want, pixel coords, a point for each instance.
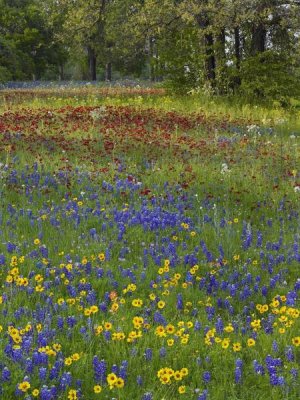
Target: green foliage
{"type": "Point", "coordinates": [5, 75]}
{"type": "Point", "coordinates": [269, 76]}
{"type": "Point", "coordinates": [183, 69]}
{"type": "Point", "coordinates": [27, 47]}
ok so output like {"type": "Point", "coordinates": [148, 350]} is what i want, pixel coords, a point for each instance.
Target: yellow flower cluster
{"type": "Point", "coordinates": [166, 375]}
{"type": "Point", "coordinates": [114, 381]}
{"type": "Point", "coordinates": [16, 334]}
{"type": "Point", "coordinates": [72, 358]}
{"type": "Point", "coordinates": [285, 315]}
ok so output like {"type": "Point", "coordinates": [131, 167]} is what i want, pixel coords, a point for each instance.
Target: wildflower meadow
{"type": "Point", "coordinates": [149, 247]}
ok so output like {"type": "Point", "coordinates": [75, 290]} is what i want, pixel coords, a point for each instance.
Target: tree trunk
{"type": "Point", "coordinates": [210, 60]}
{"type": "Point", "coordinates": [61, 72]}
{"type": "Point", "coordinates": [237, 53]}
{"type": "Point", "coordinates": [221, 47]}
{"type": "Point", "coordinates": [220, 53]}
{"type": "Point", "coordinates": [151, 60]}
{"type": "Point", "coordinates": [108, 72]}
{"type": "Point", "coordinates": [237, 47]}
{"type": "Point", "coordinates": [258, 41]}
{"type": "Point", "coordinates": [92, 64]}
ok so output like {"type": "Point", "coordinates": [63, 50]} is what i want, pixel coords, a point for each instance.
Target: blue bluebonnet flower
{"type": "Point", "coordinates": [203, 395]}
{"type": "Point", "coordinates": [6, 375]}
{"type": "Point", "coordinates": [275, 346]}
{"type": "Point", "coordinates": [238, 370]}
{"type": "Point", "coordinates": [147, 396]}
{"type": "Point", "coordinates": [294, 372]}
{"type": "Point", "coordinates": [258, 368]}
{"type": "Point", "coordinates": [139, 380]}
{"type": "Point", "coordinates": [179, 304]}
{"type": "Point", "coordinates": [289, 354]}
{"type": "Point", "coordinates": [148, 354]}
{"type": "Point", "coordinates": [206, 376]}
{"type": "Point", "coordinates": [100, 368]}
{"type": "Point", "coordinates": [162, 352]}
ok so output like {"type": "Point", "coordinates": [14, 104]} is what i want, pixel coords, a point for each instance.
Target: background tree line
{"type": "Point", "coordinates": [223, 46]}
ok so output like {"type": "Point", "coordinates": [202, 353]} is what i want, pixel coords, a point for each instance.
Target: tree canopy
{"type": "Point", "coordinates": [223, 46]}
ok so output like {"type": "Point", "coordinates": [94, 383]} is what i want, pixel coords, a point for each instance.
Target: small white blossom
{"type": "Point", "coordinates": [224, 169]}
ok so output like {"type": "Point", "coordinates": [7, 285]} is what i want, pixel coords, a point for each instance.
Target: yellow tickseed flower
{"type": "Point", "coordinates": [229, 328]}
{"type": "Point", "coordinates": [264, 308]}
{"type": "Point", "coordinates": [38, 278]}
{"type": "Point", "coordinates": [97, 389]}
{"type": "Point", "coordinates": [94, 309]}
{"type": "Point", "coordinates": [181, 389]}
{"type": "Point", "coordinates": [283, 318]}
{"type": "Point", "coordinates": [236, 346]}
{"type": "Point", "coordinates": [177, 375]}
{"type": "Point", "coordinates": [107, 326]}
{"type": "Point", "coordinates": [75, 357]}
{"type": "Point", "coordinates": [184, 371]}
{"type": "Point", "coordinates": [101, 256]}
{"type": "Point", "coordinates": [56, 346]}
{"type": "Point", "coordinates": [170, 329]}
{"type": "Point", "coordinates": [161, 304]}
{"type": "Point", "coordinates": [275, 303]}
{"type": "Point", "coordinates": [24, 386]}
{"type": "Point", "coordinates": [111, 379]}
{"type": "Point", "coordinates": [35, 392]}
{"type": "Point", "coordinates": [68, 361]}
{"type": "Point", "coordinates": [165, 379]}
{"type": "Point", "coordinates": [250, 342]}
{"type": "Point", "coordinates": [84, 261]}
{"type": "Point", "coordinates": [225, 343]}
{"type": "Point", "coordinates": [160, 331]}
{"type": "Point", "coordinates": [72, 395]}
{"type": "Point", "coordinates": [296, 341]}
{"type": "Point", "coordinates": [119, 383]}
{"type": "Point", "coordinates": [114, 307]}
{"type": "Point", "coordinates": [137, 303]}
{"type": "Point", "coordinates": [37, 241]}
{"type": "Point", "coordinates": [98, 330]}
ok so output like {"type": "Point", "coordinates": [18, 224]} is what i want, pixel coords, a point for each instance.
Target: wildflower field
{"type": "Point", "coordinates": [149, 249]}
